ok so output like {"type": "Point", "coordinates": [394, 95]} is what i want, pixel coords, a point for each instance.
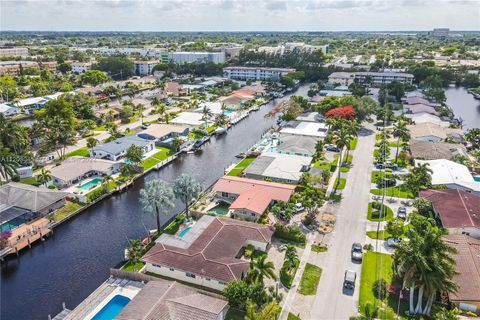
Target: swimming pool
{"type": "Point", "coordinates": [228, 112]}
{"type": "Point", "coordinates": [90, 184]}
{"type": "Point", "coordinates": [219, 210]}
{"type": "Point", "coordinates": [112, 308]}
{"type": "Point", "coordinates": [184, 232]}
{"type": "Point", "coordinates": [476, 178]}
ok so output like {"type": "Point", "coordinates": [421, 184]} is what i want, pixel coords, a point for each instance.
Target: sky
{"type": "Point", "coordinates": [238, 15]}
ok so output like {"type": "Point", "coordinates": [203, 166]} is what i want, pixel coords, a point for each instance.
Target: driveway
{"type": "Point", "coordinates": [331, 302]}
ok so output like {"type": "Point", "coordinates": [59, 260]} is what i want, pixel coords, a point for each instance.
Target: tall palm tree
{"type": "Point", "coordinates": [44, 176]}
{"type": "Point", "coordinates": [141, 108]}
{"type": "Point", "coordinates": [291, 254]}
{"type": "Point", "coordinates": [262, 268]}
{"type": "Point", "coordinates": [91, 143]}
{"type": "Point", "coordinates": [401, 132]}
{"type": "Point", "coordinates": [342, 139]}
{"type": "Point", "coordinates": [8, 164]}
{"type": "Point", "coordinates": [156, 197]}
{"type": "Point", "coordinates": [270, 312]}
{"type": "Point", "coordinates": [207, 113]}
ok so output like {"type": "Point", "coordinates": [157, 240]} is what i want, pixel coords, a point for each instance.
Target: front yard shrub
{"type": "Point", "coordinates": [290, 233]}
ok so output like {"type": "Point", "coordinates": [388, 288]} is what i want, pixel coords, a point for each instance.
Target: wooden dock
{"type": "Point", "coordinates": [25, 235]}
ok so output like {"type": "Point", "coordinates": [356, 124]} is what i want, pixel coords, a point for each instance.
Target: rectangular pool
{"type": "Point", "coordinates": [112, 308]}
{"type": "Point", "coordinates": [476, 178]}
{"type": "Point", "coordinates": [90, 184]}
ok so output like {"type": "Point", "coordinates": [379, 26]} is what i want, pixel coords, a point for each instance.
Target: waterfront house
{"type": "Point", "coordinates": [162, 299]}
{"type": "Point", "coordinates": [117, 149]}
{"type": "Point", "coordinates": [419, 108]}
{"type": "Point", "coordinates": [428, 150]}
{"type": "Point", "coordinates": [193, 119]}
{"type": "Point", "coordinates": [415, 99]}
{"type": "Point", "coordinates": [75, 169]}
{"type": "Point", "coordinates": [310, 117]}
{"type": "Point", "coordinates": [458, 210]}
{"type": "Point", "coordinates": [209, 254]}
{"type": "Point", "coordinates": [234, 102]}
{"type": "Point", "coordinates": [467, 266]}
{"type": "Point", "coordinates": [278, 167]}
{"type": "Point", "coordinates": [451, 174]}
{"type": "Point", "coordinates": [296, 145]}
{"type": "Point", "coordinates": [423, 117]}
{"type": "Point", "coordinates": [248, 198]}
{"type": "Point", "coordinates": [160, 132]}
{"type": "Point", "coordinates": [8, 110]}
{"type": "Point", "coordinates": [432, 132]}
{"type": "Point", "coordinates": [302, 128]}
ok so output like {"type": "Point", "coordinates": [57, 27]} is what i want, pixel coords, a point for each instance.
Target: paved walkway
{"type": "Point", "coordinates": [331, 302]}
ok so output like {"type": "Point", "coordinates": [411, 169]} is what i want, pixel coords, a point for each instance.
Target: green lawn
{"type": "Point", "coordinates": [310, 278]}
{"type": "Point", "coordinates": [374, 262]}
{"type": "Point", "coordinates": [382, 235]}
{"type": "Point", "coordinates": [393, 192]}
{"type": "Point", "coordinates": [82, 152]}
{"type": "Point", "coordinates": [341, 184]}
{"type": "Point", "coordinates": [353, 144]}
{"type": "Point", "coordinates": [66, 211]}
{"type": "Point", "coordinates": [31, 181]}
{"type": "Point", "coordinates": [163, 154]}
{"type": "Point", "coordinates": [291, 316]}
{"type": "Point", "coordinates": [374, 215]}
{"type": "Point", "coordinates": [211, 128]}
{"type": "Point", "coordinates": [317, 248]}
{"type": "Point", "coordinates": [173, 227]}
{"type": "Point", "coordinates": [129, 267]}
{"type": "Point", "coordinates": [241, 166]}
{"type": "Point", "coordinates": [286, 278]}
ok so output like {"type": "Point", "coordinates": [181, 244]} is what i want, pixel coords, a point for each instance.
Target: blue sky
{"type": "Point", "coordinates": [239, 15]}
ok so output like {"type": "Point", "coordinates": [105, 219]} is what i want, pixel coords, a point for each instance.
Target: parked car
{"type": "Point", "coordinates": [357, 252]}
{"type": "Point", "coordinates": [331, 147]}
{"type": "Point", "coordinates": [299, 207]}
{"type": "Point", "coordinates": [393, 241]}
{"type": "Point", "coordinates": [392, 166]}
{"type": "Point", "coordinates": [402, 213]}
{"type": "Point", "coordinates": [349, 279]}
{"type": "Point", "coordinates": [380, 166]}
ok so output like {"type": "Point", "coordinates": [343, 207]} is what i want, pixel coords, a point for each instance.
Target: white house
{"type": "Point", "coordinates": [8, 110]}
{"type": "Point", "coordinates": [117, 149]}
{"type": "Point", "coordinates": [81, 67]}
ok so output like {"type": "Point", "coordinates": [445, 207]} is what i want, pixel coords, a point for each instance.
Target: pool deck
{"type": "Point", "coordinates": [97, 299]}
{"type": "Point", "coordinates": [26, 234]}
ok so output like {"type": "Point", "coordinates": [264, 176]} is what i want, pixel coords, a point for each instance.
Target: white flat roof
{"type": "Point", "coordinates": [449, 172]}
{"type": "Point", "coordinates": [280, 166]}
{"type": "Point", "coordinates": [313, 129]}
{"type": "Point", "coordinates": [189, 118]}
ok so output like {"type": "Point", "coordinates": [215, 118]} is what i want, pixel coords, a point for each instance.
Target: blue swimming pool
{"type": "Point", "coordinates": [227, 112]}
{"type": "Point", "coordinates": [90, 184]}
{"type": "Point", "coordinates": [477, 178]}
{"type": "Point", "coordinates": [112, 308]}
{"type": "Point", "coordinates": [184, 232]}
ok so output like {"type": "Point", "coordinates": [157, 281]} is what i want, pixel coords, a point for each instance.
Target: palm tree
{"type": "Point", "coordinates": [156, 197]}
{"type": "Point", "coordinates": [44, 176]}
{"type": "Point", "coordinates": [140, 108]}
{"type": "Point", "coordinates": [291, 254]}
{"type": "Point", "coordinates": [342, 139]}
{"type": "Point", "coordinates": [91, 143]}
{"type": "Point", "coordinates": [207, 113]}
{"type": "Point", "coordinates": [160, 109]}
{"type": "Point", "coordinates": [134, 253]}
{"type": "Point", "coordinates": [167, 117]}
{"type": "Point", "coordinates": [186, 188]}
{"type": "Point", "coordinates": [401, 132]}
{"type": "Point", "coordinates": [270, 312]}
{"type": "Point", "coordinates": [106, 182]}
{"type": "Point", "coordinates": [261, 268]}
{"type": "Point", "coordinates": [8, 164]}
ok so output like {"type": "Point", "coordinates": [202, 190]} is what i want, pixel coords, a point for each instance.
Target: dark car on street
{"type": "Point", "coordinates": [349, 279]}
{"type": "Point", "coordinates": [402, 213]}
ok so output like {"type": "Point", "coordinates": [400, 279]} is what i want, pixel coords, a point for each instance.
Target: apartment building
{"type": "Point", "coordinates": [189, 57]}
{"type": "Point", "coordinates": [253, 73]}
{"type": "Point", "coordinates": [144, 68]}
{"type": "Point", "coordinates": [13, 52]}
{"type": "Point", "coordinates": [13, 68]}
{"type": "Point", "coordinates": [81, 67]}
{"type": "Point", "coordinates": [370, 78]}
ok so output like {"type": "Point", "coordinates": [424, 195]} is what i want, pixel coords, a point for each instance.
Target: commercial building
{"type": "Point", "coordinates": [458, 210]}
{"type": "Point", "coordinates": [117, 149]}
{"type": "Point", "coordinates": [209, 253]}
{"type": "Point", "coordinates": [451, 174]}
{"type": "Point", "coordinates": [248, 198]}
{"type": "Point", "coordinates": [13, 52]}
{"type": "Point", "coordinates": [467, 266]}
{"type": "Point", "coordinates": [278, 167]}
{"type": "Point", "coordinates": [428, 150]}
{"type": "Point", "coordinates": [81, 67]}
{"type": "Point", "coordinates": [76, 169]}
{"type": "Point", "coordinates": [144, 68]}
{"type": "Point", "coordinates": [308, 129]}
{"type": "Point", "coordinates": [253, 73]}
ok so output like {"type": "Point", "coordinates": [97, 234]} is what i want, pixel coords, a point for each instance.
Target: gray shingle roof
{"type": "Point", "coordinates": [29, 197]}
{"type": "Point", "coordinates": [121, 144]}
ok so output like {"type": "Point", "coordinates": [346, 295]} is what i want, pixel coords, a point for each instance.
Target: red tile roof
{"type": "Point", "coordinates": [252, 200]}
{"type": "Point", "coordinates": [468, 267]}
{"type": "Point", "coordinates": [213, 253]}
{"type": "Point", "coordinates": [456, 208]}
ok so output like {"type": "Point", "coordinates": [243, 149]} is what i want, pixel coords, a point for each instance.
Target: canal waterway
{"type": "Point", "coordinates": [464, 106]}
{"type": "Point", "coordinates": [68, 266]}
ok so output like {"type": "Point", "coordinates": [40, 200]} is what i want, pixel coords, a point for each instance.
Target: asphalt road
{"type": "Point", "coordinates": [331, 301]}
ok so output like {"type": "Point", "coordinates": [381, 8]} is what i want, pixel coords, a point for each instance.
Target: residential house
{"type": "Point", "coordinates": [75, 169]}
{"type": "Point", "coordinates": [8, 110]}
{"type": "Point", "coordinates": [117, 149]}
{"type": "Point", "coordinates": [248, 198]}
{"type": "Point", "coordinates": [209, 254]}
{"type": "Point", "coordinates": [420, 108]}
{"type": "Point", "coordinates": [423, 117]}
{"type": "Point", "coordinates": [428, 150]}
{"type": "Point", "coordinates": [175, 89]}
{"type": "Point", "coordinates": [467, 266]}
{"type": "Point", "coordinates": [380, 78]}
{"type": "Point", "coordinates": [415, 99]}
{"type": "Point", "coordinates": [458, 210]}
{"type": "Point", "coordinates": [278, 167]}
{"type": "Point", "coordinates": [193, 119]}
{"type": "Point", "coordinates": [171, 300]}
{"type": "Point", "coordinates": [451, 174]}
{"type": "Point", "coordinates": [432, 132]}
{"type": "Point", "coordinates": [310, 117]}
{"type": "Point", "coordinates": [302, 128]}
{"type": "Point", "coordinates": [160, 132]}
{"type": "Point", "coordinates": [297, 145]}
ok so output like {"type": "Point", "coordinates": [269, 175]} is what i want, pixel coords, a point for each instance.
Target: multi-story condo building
{"type": "Point", "coordinates": [13, 68]}
{"type": "Point", "coordinates": [369, 78]}
{"type": "Point", "coordinates": [293, 46]}
{"type": "Point", "coordinates": [255, 73]}
{"type": "Point", "coordinates": [13, 52]}
{"type": "Point", "coordinates": [441, 33]}
{"type": "Point", "coordinates": [81, 67]}
{"type": "Point", "coordinates": [189, 57]}
{"type": "Point", "coordinates": [144, 68]}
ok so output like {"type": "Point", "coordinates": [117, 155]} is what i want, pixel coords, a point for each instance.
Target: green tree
{"type": "Point", "coordinates": [156, 197]}
{"type": "Point", "coordinates": [134, 155]}
{"type": "Point", "coordinates": [418, 178]}
{"type": "Point", "coordinates": [270, 311]}
{"type": "Point", "coordinates": [401, 132]}
{"type": "Point", "coordinates": [186, 188]}
{"type": "Point", "coordinates": [91, 143]}
{"type": "Point", "coordinates": [8, 164]}
{"type": "Point", "coordinates": [473, 136]}
{"type": "Point", "coordinates": [261, 268]}
{"type": "Point", "coordinates": [358, 90]}
{"type": "Point", "coordinates": [64, 67]}
{"type": "Point", "coordinates": [206, 114]}
{"type": "Point", "coordinates": [395, 227]}
{"type": "Point", "coordinates": [119, 67]}
{"type": "Point", "coordinates": [8, 88]}
{"type": "Point", "coordinates": [134, 252]}
{"type": "Point", "coordinates": [94, 77]}
{"type": "Point", "coordinates": [237, 293]}
{"type": "Point", "coordinates": [44, 176]}
{"type": "Point", "coordinates": [423, 206]}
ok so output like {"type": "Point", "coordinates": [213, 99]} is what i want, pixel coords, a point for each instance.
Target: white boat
{"type": "Point", "coordinates": [220, 130]}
